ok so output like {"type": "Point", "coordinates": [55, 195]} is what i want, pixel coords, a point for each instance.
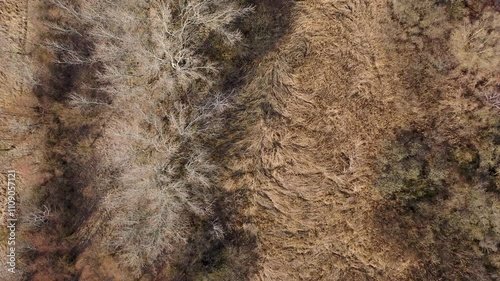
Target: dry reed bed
{"type": "Point", "coordinates": [320, 112]}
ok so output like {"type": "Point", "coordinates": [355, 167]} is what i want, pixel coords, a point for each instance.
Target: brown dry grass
{"type": "Point", "coordinates": [319, 112]}
{"type": "Point", "coordinates": [22, 133]}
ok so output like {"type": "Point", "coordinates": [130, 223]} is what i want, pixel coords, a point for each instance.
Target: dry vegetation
{"type": "Point", "coordinates": [22, 133]}
{"type": "Point", "coordinates": [254, 140]}
{"type": "Point", "coordinates": [371, 149]}
{"type": "Point", "coordinates": [140, 72]}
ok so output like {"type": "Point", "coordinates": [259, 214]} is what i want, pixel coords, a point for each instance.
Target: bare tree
{"type": "Point", "coordinates": [68, 54]}
{"type": "Point", "coordinates": [150, 53]}
{"type": "Point", "coordinates": [38, 218]}
{"type": "Point", "coordinates": [81, 101]}
{"type": "Point", "coordinates": [477, 45]}
{"type": "Point", "coordinates": [493, 99]}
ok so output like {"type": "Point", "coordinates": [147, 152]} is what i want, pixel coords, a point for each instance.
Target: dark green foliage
{"type": "Point", "coordinates": [414, 169]}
